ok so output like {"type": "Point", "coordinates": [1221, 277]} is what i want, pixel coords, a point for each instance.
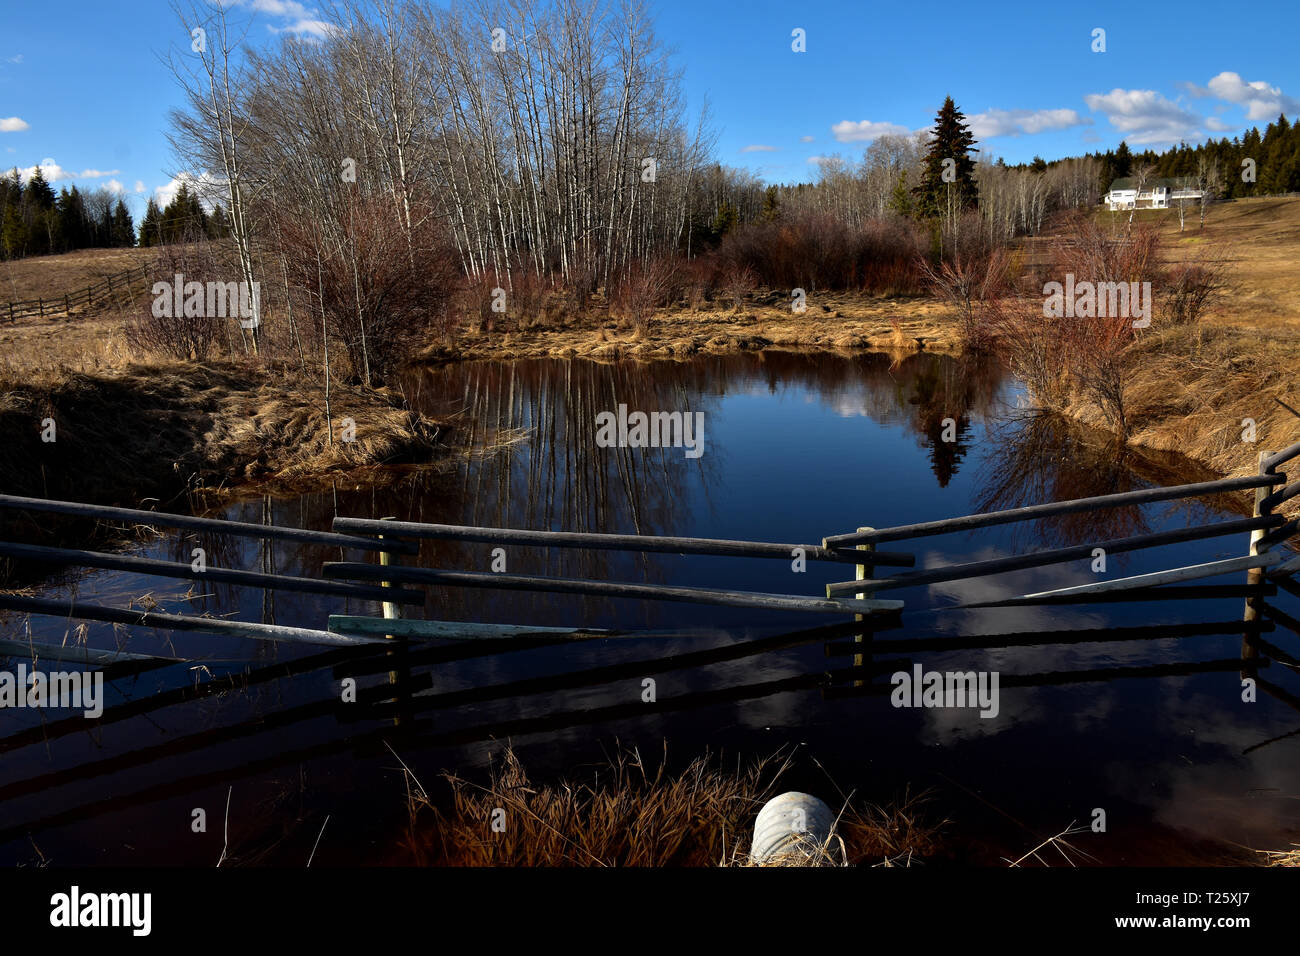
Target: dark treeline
{"type": "Point", "coordinates": [183, 219]}
{"type": "Point", "coordinates": [1252, 164]}
{"type": "Point", "coordinates": [35, 221]}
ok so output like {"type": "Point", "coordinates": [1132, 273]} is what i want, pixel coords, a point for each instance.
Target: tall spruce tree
{"type": "Point", "coordinates": [151, 225]}
{"type": "Point", "coordinates": [948, 184]}
{"type": "Point", "coordinates": [123, 228]}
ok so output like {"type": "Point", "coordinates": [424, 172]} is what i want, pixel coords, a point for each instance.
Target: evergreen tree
{"type": "Point", "coordinates": [122, 230]}
{"type": "Point", "coordinates": [901, 199]}
{"type": "Point", "coordinates": [13, 232]}
{"type": "Point", "coordinates": [948, 182]}
{"type": "Point", "coordinates": [1123, 160]}
{"type": "Point", "coordinates": [151, 225]}
{"type": "Point", "coordinates": [70, 224]}
{"type": "Point", "coordinates": [39, 193]}
{"type": "Point", "coordinates": [725, 220]}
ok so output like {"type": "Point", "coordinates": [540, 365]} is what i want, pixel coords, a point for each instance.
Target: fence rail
{"type": "Point", "coordinates": [620, 542]}
{"type": "Point", "coordinates": [1266, 569]}
{"type": "Point", "coordinates": [64, 304]}
{"type": "Point", "coordinates": [1051, 510]}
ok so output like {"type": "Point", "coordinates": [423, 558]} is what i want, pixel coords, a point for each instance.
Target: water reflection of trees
{"type": "Point", "coordinates": [919, 391]}
{"type": "Point", "coordinates": [1038, 457]}
{"type": "Point", "coordinates": [531, 461]}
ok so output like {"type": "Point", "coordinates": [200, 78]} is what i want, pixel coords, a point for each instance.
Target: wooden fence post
{"type": "Point", "coordinates": [1255, 576]}
{"type": "Point", "coordinates": [399, 679]}
{"type": "Point", "coordinates": [391, 610]}
{"type": "Point", "coordinates": [864, 572]}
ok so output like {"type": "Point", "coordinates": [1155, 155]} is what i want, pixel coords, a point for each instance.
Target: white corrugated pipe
{"type": "Point", "coordinates": [795, 828]}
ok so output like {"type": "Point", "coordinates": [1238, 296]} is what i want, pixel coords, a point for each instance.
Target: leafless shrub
{"type": "Point", "coordinates": [159, 328]}
{"type": "Point", "coordinates": [818, 251]}
{"type": "Point", "coordinates": [973, 275]}
{"type": "Point", "coordinates": [380, 289]}
{"type": "Point", "coordinates": [643, 288]}
{"type": "Point", "coordinates": [738, 284]}
{"type": "Point", "coordinates": [1191, 289]}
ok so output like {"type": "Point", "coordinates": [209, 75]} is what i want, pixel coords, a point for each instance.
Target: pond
{"type": "Point", "coordinates": [1135, 708]}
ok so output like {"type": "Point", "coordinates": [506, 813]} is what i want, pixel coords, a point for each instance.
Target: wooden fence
{"type": "Point", "coordinates": [855, 598]}
{"type": "Point", "coordinates": [104, 290]}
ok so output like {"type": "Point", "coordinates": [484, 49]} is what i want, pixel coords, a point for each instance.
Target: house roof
{"type": "Point", "coordinates": [1170, 182]}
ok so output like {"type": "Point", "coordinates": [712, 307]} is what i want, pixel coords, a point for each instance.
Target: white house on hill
{"type": "Point", "coordinates": [1156, 193]}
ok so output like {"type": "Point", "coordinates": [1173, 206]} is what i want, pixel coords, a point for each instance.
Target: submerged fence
{"type": "Point", "coordinates": [387, 582]}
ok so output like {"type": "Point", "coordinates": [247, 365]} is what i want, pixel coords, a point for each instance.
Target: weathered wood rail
{"type": "Point", "coordinates": [88, 297]}
{"type": "Point", "coordinates": [1267, 529]}
{"type": "Point", "coordinates": [80, 559]}
{"type": "Point", "coordinates": [1266, 568]}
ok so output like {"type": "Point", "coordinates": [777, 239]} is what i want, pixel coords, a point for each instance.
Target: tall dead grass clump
{"type": "Point", "coordinates": [626, 814]}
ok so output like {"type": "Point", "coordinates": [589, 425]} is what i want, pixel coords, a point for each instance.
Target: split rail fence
{"type": "Point", "coordinates": [107, 289]}
{"type": "Point", "coordinates": [393, 585]}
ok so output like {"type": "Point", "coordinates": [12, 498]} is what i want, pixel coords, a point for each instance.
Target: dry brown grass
{"type": "Point", "coordinates": [848, 322]}
{"type": "Point", "coordinates": [1193, 387]}
{"type": "Point", "coordinates": [1283, 857]}
{"type": "Point", "coordinates": [51, 277]}
{"type": "Point", "coordinates": [626, 814]}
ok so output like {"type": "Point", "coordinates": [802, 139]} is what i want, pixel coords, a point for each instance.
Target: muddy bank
{"type": "Point", "coordinates": [148, 434]}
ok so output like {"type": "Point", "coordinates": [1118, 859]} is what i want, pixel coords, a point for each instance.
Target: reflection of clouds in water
{"type": "Point", "coordinates": [998, 586]}
{"type": "Point", "coordinates": [1225, 794]}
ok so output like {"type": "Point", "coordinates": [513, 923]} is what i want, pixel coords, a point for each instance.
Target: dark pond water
{"type": "Point", "coordinates": [1117, 713]}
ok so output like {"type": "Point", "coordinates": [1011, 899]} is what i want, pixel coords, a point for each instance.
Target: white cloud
{"type": "Point", "coordinates": [139, 185]}
{"type": "Point", "coordinates": [1217, 125]}
{"type": "Point", "coordinates": [1144, 116]}
{"type": "Point", "coordinates": [1262, 102]}
{"type": "Point", "coordinates": [13, 124]}
{"type": "Point", "coordinates": [806, 139]}
{"type": "Point", "coordinates": [50, 170]}
{"type": "Point", "coordinates": [206, 185]}
{"type": "Point", "coordinates": [114, 186]}
{"type": "Point", "coordinates": [318, 29]}
{"type": "Point", "coordinates": [279, 8]}
{"type": "Point", "coordinates": [53, 173]}
{"type": "Point", "coordinates": [759, 149]}
{"type": "Point", "coordinates": [847, 131]}
{"type": "Point", "coordinates": [1023, 122]}
{"type": "Point", "coordinates": [15, 59]}
{"type": "Point", "coordinates": [300, 20]}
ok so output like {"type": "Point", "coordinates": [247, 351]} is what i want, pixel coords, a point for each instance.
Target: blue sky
{"type": "Point", "coordinates": [83, 91]}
